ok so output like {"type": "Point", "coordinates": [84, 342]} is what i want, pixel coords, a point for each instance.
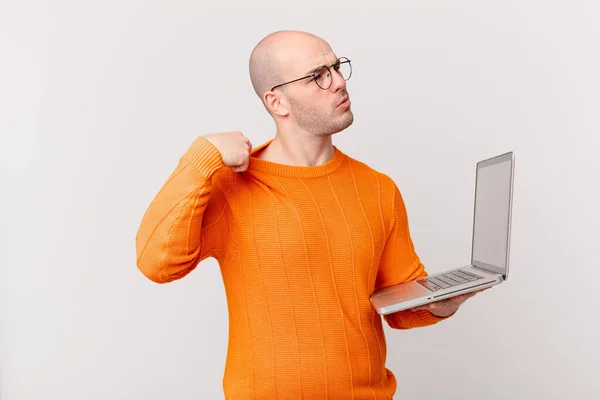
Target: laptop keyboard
{"type": "Point", "coordinates": [444, 281]}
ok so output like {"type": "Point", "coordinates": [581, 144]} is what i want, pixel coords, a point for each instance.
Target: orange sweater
{"type": "Point", "coordinates": [300, 250]}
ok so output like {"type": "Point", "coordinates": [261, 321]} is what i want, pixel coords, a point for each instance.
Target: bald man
{"type": "Point", "coordinates": [302, 233]}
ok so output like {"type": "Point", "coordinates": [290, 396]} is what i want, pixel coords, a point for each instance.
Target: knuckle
{"type": "Point", "coordinates": [242, 158]}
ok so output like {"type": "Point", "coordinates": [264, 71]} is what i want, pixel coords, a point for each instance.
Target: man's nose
{"type": "Point", "coordinates": [338, 83]}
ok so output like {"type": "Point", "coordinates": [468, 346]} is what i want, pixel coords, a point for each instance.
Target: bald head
{"type": "Point", "coordinates": [274, 56]}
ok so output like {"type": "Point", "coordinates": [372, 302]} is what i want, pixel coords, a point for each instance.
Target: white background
{"type": "Point", "coordinates": [98, 100]}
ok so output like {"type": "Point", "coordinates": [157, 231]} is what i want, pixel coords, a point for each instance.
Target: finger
{"type": "Point", "coordinates": [459, 299]}
{"type": "Point", "coordinates": [423, 307]}
{"type": "Point", "coordinates": [240, 168]}
{"type": "Point", "coordinates": [467, 296]}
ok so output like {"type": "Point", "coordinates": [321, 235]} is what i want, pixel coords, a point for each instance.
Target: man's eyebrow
{"type": "Point", "coordinates": [313, 70]}
{"type": "Point", "coordinates": [323, 65]}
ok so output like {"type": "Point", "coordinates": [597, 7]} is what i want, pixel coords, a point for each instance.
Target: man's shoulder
{"type": "Point", "coordinates": [367, 170]}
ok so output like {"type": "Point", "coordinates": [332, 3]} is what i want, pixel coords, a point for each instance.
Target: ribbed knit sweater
{"type": "Point", "coordinates": [300, 250]}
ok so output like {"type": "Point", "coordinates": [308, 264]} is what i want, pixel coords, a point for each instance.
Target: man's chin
{"type": "Point", "coordinates": [348, 120]}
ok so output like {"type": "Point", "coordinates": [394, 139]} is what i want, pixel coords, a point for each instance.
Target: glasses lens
{"type": "Point", "coordinates": [345, 69]}
{"type": "Point", "coordinates": [323, 78]}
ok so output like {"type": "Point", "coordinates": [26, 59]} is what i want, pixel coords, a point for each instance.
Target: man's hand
{"type": "Point", "coordinates": [447, 307]}
{"type": "Point", "coordinates": [234, 147]}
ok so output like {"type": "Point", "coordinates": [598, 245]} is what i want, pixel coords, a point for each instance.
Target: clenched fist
{"type": "Point", "coordinates": [234, 148]}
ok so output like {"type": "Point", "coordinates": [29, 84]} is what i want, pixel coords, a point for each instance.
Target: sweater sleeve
{"type": "Point", "coordinates": [400, 263]}
{"type": "Point", "coordinates": [186, 222]}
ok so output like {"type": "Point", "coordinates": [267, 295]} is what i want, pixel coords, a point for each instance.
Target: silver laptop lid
{"type": "Point", "coordinates": [492, 214]}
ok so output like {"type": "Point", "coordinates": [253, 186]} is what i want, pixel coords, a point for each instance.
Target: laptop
{"type": "Point", "coordinates": [490, 247]}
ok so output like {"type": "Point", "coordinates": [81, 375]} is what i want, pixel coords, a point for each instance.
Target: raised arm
{"type": "Point", "coordinates": [187, 220]}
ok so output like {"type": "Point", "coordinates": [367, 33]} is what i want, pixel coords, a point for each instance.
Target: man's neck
{"type": "Point", "coordinates": [298, 150]}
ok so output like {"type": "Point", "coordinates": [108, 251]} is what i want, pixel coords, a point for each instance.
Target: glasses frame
{"type": "Point", "coordinates": [340, 61]}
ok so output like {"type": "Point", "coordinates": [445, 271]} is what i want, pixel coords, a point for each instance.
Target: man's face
{"type": "Point", "coordinates": [318, 111]}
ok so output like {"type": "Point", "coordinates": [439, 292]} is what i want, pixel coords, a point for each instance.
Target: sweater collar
{"type": "Point", "coordinates": [294, 171]}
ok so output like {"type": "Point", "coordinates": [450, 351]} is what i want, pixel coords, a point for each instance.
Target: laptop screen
{"type": "Point", "coordinates": [491, 223]}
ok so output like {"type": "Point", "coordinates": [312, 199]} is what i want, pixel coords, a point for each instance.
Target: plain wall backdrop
{"type": "Point", "coordinates": [99, 99]}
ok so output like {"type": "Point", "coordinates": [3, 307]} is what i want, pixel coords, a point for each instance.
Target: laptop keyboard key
{"type": "Point", "coordinates": [468, 277]}
{"type": "Point", "coordinates": [439, 282]}
{"type": "Point", "coordinates": [458, 281]}
{"type": "Point", "coordinates": [447, 280]}
{"type": "Point", "coordinates": [428, 285]}
{"type": "Point", "coordinates": [458, 278]}
{"type": "Point", "coordinates": [471, 274]}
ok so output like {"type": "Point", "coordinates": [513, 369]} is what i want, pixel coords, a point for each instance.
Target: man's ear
{"type": "Point", "coordinates": [276, 103]}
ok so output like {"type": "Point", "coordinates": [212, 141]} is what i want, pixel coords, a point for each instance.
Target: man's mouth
{"type": "Point", "coordinates": [345, 101]}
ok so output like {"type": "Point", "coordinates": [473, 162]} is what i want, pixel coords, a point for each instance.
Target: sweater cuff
{"type": "Point", "coordinates": [428, 318]}
{"type": "Point", "coordinates": [408, 319]}
{"type": "Point", "coordinates": [204, 157]}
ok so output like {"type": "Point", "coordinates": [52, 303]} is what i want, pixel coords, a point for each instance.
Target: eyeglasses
{"type": "Point", "coordinates": [322, 75]}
